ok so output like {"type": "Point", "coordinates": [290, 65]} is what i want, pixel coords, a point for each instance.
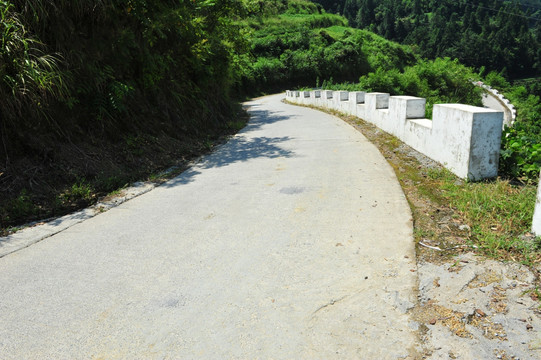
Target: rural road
{"type": "Point", "coordinates": [491, 102]}
{"type": "Point", "coordinates": [291, 241]}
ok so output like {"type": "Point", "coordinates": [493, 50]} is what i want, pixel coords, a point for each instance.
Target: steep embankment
{"type": "Point", "coordinates": [96, 94]}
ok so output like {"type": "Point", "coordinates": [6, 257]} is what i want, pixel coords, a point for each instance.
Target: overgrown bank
{"type": "Point", "coordinates": [97, 94]}
{"type": "Point", "coordinates": [100, 94]}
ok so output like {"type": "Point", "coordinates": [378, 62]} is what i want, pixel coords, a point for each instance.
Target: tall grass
{"type": "Point", "coordinates": [28, 73]}
{"type": "Point", "coordinates": [30, 78]}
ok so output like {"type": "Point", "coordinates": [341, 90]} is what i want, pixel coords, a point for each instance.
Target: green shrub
{"type": "Point", "coordinates": [29, 76]}
{"type": "Point", "coordinates": [439, 81]}
{"type": "Point", "coordinates": [19, 208]}
{"type": "Point", "coordinates": [521, 144]}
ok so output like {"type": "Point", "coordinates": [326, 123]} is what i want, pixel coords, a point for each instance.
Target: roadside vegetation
{"type": "Point", "coordinates": [438, 81]}
{"type": "Point", "coordinates": [96, 94]}
{"type": "Point", "coordinates": [521, 144]}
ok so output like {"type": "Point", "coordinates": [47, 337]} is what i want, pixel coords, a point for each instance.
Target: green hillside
{"type": "Point", "coordinates": [494, 34]}
{"type": "Point", "coordinates": [292, 50]}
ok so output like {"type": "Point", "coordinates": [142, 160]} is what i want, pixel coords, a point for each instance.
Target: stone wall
{"type": "Point", "coordinates": [463, 138]}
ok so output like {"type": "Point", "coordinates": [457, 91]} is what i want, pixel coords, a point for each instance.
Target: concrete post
{"type": "Point", "coordinates": [344, 95]}
{"type": "Point", "coordinates": [407, 107]}
{"type": "Point", "coordinates": [536, 223]}
{"type": "Point", "coordinates": [472, 136]}
{"type": "Point", "coordinates": [355, 98]}
{"type": "Point", "coordinates": [377, 100]}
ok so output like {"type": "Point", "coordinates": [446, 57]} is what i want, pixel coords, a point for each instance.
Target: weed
{"type": "Point", "coordinates": [420, 233]}
{"type": "Point", "coordinates": [534, 293]}
{"type": "Point", "coordinates": [208, 144]}
{"type": "Point", "coordinates": [135, 144]}
{"type": "Point", "coordinates": [21, 207]}
{"type": "Point", "coordinates": [440, 174]}
{"type": "Point", "coordinates": [80, 191]}
{"type": "Point", "coordinates": [111, 183]}
{"type": "Point", "coordinates": [393, 143]}
{"type": "Point", "coordinates": [236, 125]}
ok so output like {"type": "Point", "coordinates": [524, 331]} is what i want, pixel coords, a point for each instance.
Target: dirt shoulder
{"type": "Point", "coordinates": [470, 306]}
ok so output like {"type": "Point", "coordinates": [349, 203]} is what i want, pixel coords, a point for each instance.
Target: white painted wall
{"type": "Point", "coordinates": [464, 138]}
{"type": "Point", "coordinates": [536, 223]}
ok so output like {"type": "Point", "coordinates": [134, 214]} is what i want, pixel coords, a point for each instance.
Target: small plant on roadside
{"type": "Point", "coordinates": [20, 207]}
{"type": "Point", "coordinates": [236, 125]}
{"type": "Point", "coordinates": [135, 144]}
{"type": "Point", "coordinates": [81, 191]}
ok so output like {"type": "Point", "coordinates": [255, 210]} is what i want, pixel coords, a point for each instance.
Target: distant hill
{"type": "Point", "coordinates": [494, 34]}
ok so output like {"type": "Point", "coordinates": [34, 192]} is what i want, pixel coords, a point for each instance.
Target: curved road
{"type": "Point", "coordinates": [291, 241]}
{"type": "Point", "coordinates": [491, 102]}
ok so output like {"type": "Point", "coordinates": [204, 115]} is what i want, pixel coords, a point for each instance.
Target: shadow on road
{"type": "Point", "coordinates": [259, 118]}
{"type": "Point", "coordinates": [242, 147]}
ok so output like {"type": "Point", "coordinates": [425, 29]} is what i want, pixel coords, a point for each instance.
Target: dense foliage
{"type": "Point", "coordinates": [521, 144]}
{"type": "Point", "coordinates": [83, 76]}
{"type": "Point", "coordinates": [500, 35]}
{"type": "Point", "coordinates": [70, 68]}
{"type": "Point", "coordinates": [315, 47]}
{"type": "Point", "coordinates": [439, 81]}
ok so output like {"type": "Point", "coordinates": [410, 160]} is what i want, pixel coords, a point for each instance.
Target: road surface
{"type": "Point", "coordinates": [491, 102]}
{"type": "Point", "coordinates": [291, 241]}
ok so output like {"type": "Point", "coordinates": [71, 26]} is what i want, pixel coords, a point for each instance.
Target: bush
{"type": "Point", "coordinates": [439, 81]}
{"type": "Point", "coordinates": [521, 144]}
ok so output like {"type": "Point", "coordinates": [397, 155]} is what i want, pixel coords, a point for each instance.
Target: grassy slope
{"type": "Point", "coordinates": [295, 50]}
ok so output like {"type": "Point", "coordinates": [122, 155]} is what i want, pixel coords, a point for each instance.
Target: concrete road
{"type": "Point", "coordinates": [491, 102]}
{"type": "Point", "coordinates": [292, 241]}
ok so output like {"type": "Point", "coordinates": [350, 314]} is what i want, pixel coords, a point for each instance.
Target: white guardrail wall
{"type": "Point", "coordinates": [463, 138]}
{"type": "Point", "coordinates": [536, 223]}
{"type": "Point", "coordinates": [510, 116]}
